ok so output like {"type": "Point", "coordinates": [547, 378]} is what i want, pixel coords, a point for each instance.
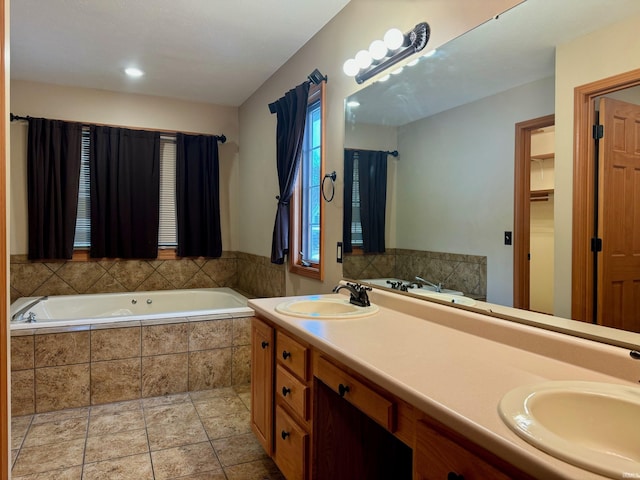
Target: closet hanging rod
{"type": "Point", "coordinates": [393, 153]}
{"type": "Point", "coordinates": [221, 138]}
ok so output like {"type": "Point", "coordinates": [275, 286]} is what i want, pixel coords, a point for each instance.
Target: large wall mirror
{"type": "Point", "coordinates": [452, 117]}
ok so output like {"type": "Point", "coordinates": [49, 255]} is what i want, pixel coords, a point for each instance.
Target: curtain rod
{"type": "Point", "coordinates": [314, 77]}
{"type": "Point", "coordinates": [221, 138]}
{"type": "Point", "coordinates": [393, 153]}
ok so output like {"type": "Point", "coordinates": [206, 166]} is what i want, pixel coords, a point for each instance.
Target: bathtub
{"type": "Point", "coordinates": [89, 309]}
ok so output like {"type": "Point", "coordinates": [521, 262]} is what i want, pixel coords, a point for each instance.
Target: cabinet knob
{"type": "Point", "coordinates": [285, 391]}
{"type": "Point", "coordinates": [454, 476]}
{"type": "Point", "coordinates": [286, 354]}
{"type": "Point", "coordinates": [264, 344]}
{"type": "Point", "coordinates": [284, 434]}
{"type": "Point", "coordinates": [343, 389]}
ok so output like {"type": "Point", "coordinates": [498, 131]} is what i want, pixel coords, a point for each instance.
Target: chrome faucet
{"type": "Point", "coordinates": [438, 287]}
{"type": "Point", "coordinates": [358, 294]}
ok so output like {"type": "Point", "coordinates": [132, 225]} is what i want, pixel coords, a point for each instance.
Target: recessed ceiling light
{"type": "Point", "coordinates": [133, 72]}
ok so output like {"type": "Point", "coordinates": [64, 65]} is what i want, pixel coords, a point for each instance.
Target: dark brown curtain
{"type": "Point", "coordinates": [198, 196]}
{"type": "Point", "coordinates": [291, 111]}
{"type": "Point", "coordinates": [124, 170]}
{"type": "Point", "coordinates": [53, 173]}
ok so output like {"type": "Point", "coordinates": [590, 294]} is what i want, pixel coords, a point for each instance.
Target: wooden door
{"type": "Point", "coordinates": [262, 349]}
{"type": "Point", "coordinates": [619, 215]}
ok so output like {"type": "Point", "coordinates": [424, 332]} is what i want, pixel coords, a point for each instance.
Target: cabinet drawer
{"type": "Point", "coordinates": [292, 354]}
{"type": "Point", "coordinates": [293, 392]}
{"type": "Point", "coordinates": [368, 401]}
{"type": "Point", "coordinates": [291, 445]}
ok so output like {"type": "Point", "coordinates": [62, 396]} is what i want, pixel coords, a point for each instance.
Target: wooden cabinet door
{"type": "Point", "coordinates": [438, 457]}
{"type": "Point", "coordinates": [262, 348]}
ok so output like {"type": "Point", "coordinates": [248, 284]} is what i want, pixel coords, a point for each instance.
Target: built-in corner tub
{"type": "Point", "coordinates": [73, 310]}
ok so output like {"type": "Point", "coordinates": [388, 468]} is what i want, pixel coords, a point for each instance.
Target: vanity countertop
{"type": "Point", "coordinates": [456, 365]}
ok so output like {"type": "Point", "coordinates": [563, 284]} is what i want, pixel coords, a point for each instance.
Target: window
{"type": "Point", "coordinates": [306, 205]}
{"type": "Point", "coordinates": [167, 237]}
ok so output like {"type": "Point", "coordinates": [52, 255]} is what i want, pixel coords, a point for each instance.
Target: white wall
{"type": "Point", "coordinates": [456, 179]}
{"type": "Point", "coordinates": [352, 29]}
{"type": "Point", "coordinates": [127, 110]}
{"type": "Point", "coordinates": [605, 53]}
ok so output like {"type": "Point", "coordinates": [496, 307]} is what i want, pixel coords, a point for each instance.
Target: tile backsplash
{"type": "Point", "coordinates": [251, 274]}
{"type": "Point", "coordinates": [466, 273]}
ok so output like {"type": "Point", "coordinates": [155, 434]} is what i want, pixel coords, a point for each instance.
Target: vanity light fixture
{"type": "Point", "coordinates": [382, 54]}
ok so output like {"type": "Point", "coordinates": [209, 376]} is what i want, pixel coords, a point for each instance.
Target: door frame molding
{"type": "Point", "coordinates": [521, 211]}
{"type": "Point", "coordinates": [583, 188]}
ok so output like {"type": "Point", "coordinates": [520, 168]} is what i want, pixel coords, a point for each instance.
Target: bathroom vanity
{"type": "Point", "coordinates": [409, 390]}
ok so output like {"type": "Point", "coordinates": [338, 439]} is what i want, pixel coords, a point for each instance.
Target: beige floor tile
{"type": "Point", "coordinates": [116, 422]}
{"type": "Point", "coordinates": [173, 399]}
{"type": "Point", "coordinates": [134, 467]}
{"type": "Point", "coordinates": [227, 425]}
{"type": "Point", "coordinates": [56, 456]}
{"type": "Point", "coordinates": [176, 435]}
{"type": "Point", "coordinates": [61, 415]}
{"type": "Point", "coordinates": [215, 475]}
{"type": "Point", "coordinates": [216, 407]}
{"type": "Point", "coordinates": [73, 473]}
{"type": "Point", "coordinates": [186, 460]}
{"type": "Point", "coordinates": [14, 455]}
{"type": "Point", "coordinates": [19, 427]}
{"type": "Point", "coordinates": [53, 432]}
{"type": "Point", "coordinates": [258, 470]}
{"type": "Point", "coordinates": [116, 445]}
{"type": "Point", "coordinates": [117, 407]}
{"type": "Point", "coordinates": [238, 449]}
{"type": "Point", "coordinates": [213, 393]}
{"type": "Point", "coordinates": [170, 414]}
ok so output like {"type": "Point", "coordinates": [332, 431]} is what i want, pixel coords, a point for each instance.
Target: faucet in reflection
{"type": "Point", "coordinates": [358, 294]}
{"type": "Point", "coordinates": [422, 281]}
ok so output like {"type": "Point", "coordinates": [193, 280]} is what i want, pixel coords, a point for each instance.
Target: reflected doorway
{"type": "Point", "coordinates": [533, 204]}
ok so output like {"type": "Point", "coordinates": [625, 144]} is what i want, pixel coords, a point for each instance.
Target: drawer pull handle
{"type": "Point", "coordinates": [285, 391]}
{"type": "Point", "coordinates": [454, 476]}
{"type": "Point", "coordinates": [264, 344]}
{"type": "Point", "coordinates": [343, 389]}
{"type": "Point", "coordinates": [286, 354]}
{"type": "Point", "coordinates": [284, 435]}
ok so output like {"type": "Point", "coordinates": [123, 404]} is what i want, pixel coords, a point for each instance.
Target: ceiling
{"type": "Point", "coordinates": [516, 48]}
{"type": "Point", "coordinates": [213, 51]}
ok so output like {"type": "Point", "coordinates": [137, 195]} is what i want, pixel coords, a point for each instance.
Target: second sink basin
{"type": "Point", "coordinates": [592, 425]}
{"type": "Point", "coordinates": [324, 308]}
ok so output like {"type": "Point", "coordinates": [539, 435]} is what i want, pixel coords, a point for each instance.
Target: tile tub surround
{"type": "Point", "coordinates": [252, 274]}
{"type": "Point", "coordinates": [110, 363]}
{"type": "Point", "coordinates": [201, 434]}
{"type": "Point", "coordinates": [466, 273]}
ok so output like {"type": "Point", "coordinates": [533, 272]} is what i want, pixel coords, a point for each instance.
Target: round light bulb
{"type": "Point", "coordinates": [351, 67]}
{"type": "Point", "coordinates": [363, 58]}
{"type": "Point", "coordinates": [393, 39]}
{"type": "Point", "coordinates": [378, 50]}
{"type": "Point", "coordinates": [133, 72]}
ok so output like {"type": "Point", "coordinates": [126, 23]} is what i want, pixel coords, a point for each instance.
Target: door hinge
{"type": "Point", "coordinates": [598, 131]}
{"type": "Point", "coordinates": [596, 244]}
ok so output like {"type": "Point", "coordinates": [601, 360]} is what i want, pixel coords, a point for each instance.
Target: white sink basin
{"type": "Point", "coordinates": [595, 426]}
{"type": "Point", "coordinates": [324, 308]}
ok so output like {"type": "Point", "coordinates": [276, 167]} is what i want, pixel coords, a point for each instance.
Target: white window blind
{"type": "Point", "coordinates": [82, 237]}
{"type": "Point", "coordinates": [167, 236]}
{"type": "Point", "coordinates": [356, 225]}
